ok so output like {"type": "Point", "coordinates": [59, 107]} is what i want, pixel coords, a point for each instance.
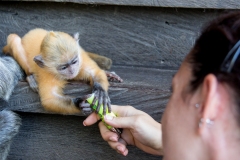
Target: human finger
{"type": "Point", "coordinates": [113, 139]}
{"type": "Point", "coordinates": [121, 146]}
{"type": "Point", "coordinates": [106, 134]}
{"type": "Point", "coordinates": [120, 122]}
{"type": "Point", "coordinates": [125, 111]}
{"type": "Point", "coordinates": [91, 119]}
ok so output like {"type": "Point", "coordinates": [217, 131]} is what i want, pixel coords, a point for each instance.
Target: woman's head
{"type": "Point", "coordinates": [210, 50]}
{"type": "Point", "coordinates": [205, 99]}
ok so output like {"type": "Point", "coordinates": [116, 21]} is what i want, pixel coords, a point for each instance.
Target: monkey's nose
{"type": "Point", "coordinates": [70, 70]}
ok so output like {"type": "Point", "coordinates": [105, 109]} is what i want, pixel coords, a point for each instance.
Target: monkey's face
{"type": "Point", "coordinates": [70, 69]}
{"type": "Point", "coordinates": [61, 55]}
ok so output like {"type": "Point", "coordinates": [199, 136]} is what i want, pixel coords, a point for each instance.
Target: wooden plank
{"type": "Point", "coordinates": [144, 88]}
{"type": "Point", "coordinates": [53, 137]}
{"type": "Point", "coordinates": [217, 4]}
{"type": "Point", "coordinates": [133, 36]}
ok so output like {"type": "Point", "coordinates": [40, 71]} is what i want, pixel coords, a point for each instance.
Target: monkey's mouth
{"type": "Point", "coordinates": [69, 77]}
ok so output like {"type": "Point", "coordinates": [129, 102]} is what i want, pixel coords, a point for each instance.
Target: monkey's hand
{"type": "Point", "coordinates": [112, 76]}
{"type": "Point", "coordinates": [101, 96]}
{"type": "Point", "coordinates": [83, 105]}
{"type": "Point", "coordinates": [32, 82]}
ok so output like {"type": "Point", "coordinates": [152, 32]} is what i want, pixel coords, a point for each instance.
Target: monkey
{"type": "Point", "coordinates": [10, 73]}
{"type": "Point", "coordinates": [103, 62]}
{"type": "Point", "coordinates": [10, 122]}
{"type": "Point", "coordinates": [52, 58]}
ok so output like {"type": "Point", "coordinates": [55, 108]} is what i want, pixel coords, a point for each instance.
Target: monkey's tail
{"type": "Point", "coordinates": [9, 127]}
{"type": "Point", "coordinates": [10, 73]}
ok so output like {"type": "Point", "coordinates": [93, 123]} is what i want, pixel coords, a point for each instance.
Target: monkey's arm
{"type": "Point", "coordinates": [98, 80]}
{"type": "Point", "coordinates": [53, 100]}
{"type": "Point", "coordinates": [112, 76]}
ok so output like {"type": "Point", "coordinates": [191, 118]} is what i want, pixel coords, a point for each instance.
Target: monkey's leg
{"type": "Point", "coordinates": [102, 61]}
{"type": "Point", "coordinates": [14, 48]}
{"type": "Point", "coordinates": [112, 76]}
{"type": "Point", "coordinates": [32, 82]}
{"type": "Point", "coordinates": [53, 100]}
{"type": "Point", "coordinates": [105, 63]}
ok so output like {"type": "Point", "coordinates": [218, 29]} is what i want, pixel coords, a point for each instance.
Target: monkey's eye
{"type": "Point", "coordinates": [63, 68]}
{"type": "Point", "coordinates": [74, 62]}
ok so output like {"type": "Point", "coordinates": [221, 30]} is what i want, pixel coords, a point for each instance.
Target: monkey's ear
{"type": "Point", "coordinates": [76, 36]}
{"type": "Point", "coordinates": [51, 33]}
{"type": "Point", "coordinates": [38, 59]}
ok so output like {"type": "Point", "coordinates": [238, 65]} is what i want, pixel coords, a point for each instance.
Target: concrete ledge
{"type": "Point", "coordinates": [213, 4]}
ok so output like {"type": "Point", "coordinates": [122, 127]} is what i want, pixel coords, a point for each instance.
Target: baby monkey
{"type": "Point", "coordinates": [51, 59]}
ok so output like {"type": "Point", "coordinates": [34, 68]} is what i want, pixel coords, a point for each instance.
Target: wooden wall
{"type": "Point", "coordinates": [146, 44]}
{"type": "Point", "coordinates": [213, 4]}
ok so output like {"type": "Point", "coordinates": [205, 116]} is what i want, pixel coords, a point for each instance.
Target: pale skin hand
{"type": "Point", "coordinates": [139, 129]}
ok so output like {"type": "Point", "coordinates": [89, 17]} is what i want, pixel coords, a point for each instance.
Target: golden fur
{"type": "Point", "coordinates": [49, 84]}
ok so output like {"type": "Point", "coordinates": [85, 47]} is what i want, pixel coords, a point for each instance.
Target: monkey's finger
{"type": "Point", "coordinates": [100, 101]}
{"type": "Point", "coordinates": [109, 105]}
{"type": "Point", "coordinates": [85, 105]}
{"type": "Point", "coordinates": [32, 83]}
{"type": "Point", "coordinates": [34, 87]}
{"type": "Point", "coordinates": [86, 96]}
{"type": "Point", "coordinates": [87, 112]}
{"type": "Point", "coordinates": [86, 109]}
{"type": "Point", "coordinates": [77, 101]}
{"type": "Point", "coordinates": [95, 98]}
{"type": "Point", "coordinates": [112, 76]}
{"type": "Point", "coordinates": [105, 105]}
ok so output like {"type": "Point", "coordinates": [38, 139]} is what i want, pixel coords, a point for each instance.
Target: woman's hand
{"type": "Point", "coordinates": [139, 129]}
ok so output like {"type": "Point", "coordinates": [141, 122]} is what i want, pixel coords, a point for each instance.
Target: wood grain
{"type": "Point", "coordinates": [51, 136]}
{"type": "Point", "coordinates": [146, 44]}
{"type": "Point", "coordinates": [131, 36]}
{"type": "Point", "coordinates": [217, 4]}
{"type": "Point", "coordinates": [56, 137]}
{"type": "Point", "coordinates": [141, 90]}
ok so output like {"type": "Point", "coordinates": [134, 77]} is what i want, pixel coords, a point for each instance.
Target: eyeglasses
{"type": "Point", "coordinates": [231, 58]}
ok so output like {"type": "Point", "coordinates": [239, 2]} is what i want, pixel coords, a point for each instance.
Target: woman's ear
{"type": "Point", "coordinates": [211, 98]}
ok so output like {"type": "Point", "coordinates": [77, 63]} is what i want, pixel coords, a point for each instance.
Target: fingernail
{"type": "Point", "coordinates": [84, 123]}
{"type": "Point", "coordinates": [125, 153]}
{"type": "Point", "coordinates": [108, 117]}
{"type": "Point", "coordinates": [119, 148]}
{"type": "Point", "coordinates": [113, 139]}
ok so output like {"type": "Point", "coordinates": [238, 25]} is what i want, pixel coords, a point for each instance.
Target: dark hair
{"type": "Point", "coordinates": [210, 50]}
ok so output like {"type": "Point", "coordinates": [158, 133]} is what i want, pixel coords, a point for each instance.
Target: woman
{"type": "Point", "coordinates": [202, 117]}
